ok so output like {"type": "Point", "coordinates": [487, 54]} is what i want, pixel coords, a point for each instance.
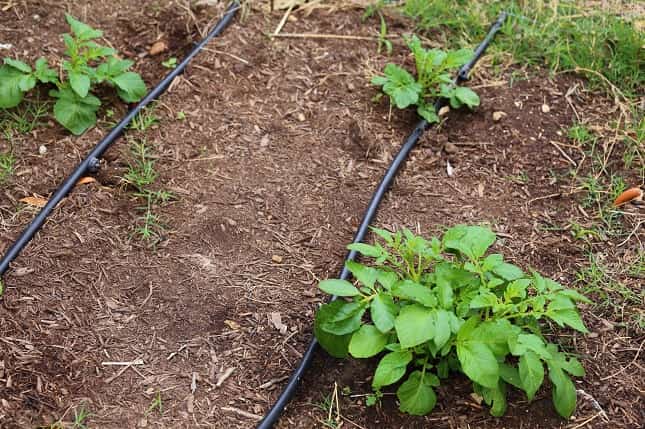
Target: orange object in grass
{"type": "Point", "coordinates": [632, 194]}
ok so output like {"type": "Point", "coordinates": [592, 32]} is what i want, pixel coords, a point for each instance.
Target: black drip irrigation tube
{"type": "Point", "coordinates": [274, 413]}
{"type": "Point", "coordinates": [91, 163]}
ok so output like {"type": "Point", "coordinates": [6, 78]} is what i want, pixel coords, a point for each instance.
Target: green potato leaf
{"type": "Point", "coordinates": [466, 96]}
{"type": "Point", "coordinates": [531, 373]}
{"type": "Point", "coordinates": [11, 93]}
{"type": "Point", "coordinates": [82, 31]}
{"type": "Point", "coordinates": [75, 113]}
{"type": "Point", "coordinates": [346, 319]}
{"type": "Point", "coordinates": [365, 275]}
{"type": "Point", "coordinates": [472, 241]}
{"type": "Point", "coordinates": [80, 83]}
{"type": "Point", "coordinates": [336, 345]}
{"type": "Point", "coordinates": [368, 341]}
{"type": "Point", "coordinates": [477, 360]}
{"type": "Point", "coordinates": [391, 368]}
{"type": "Point", "coordinates": [408, 289]}
{"type": "Point", "coordinates": [564, 391]}
{"type": "Point", "coordinates": [383, 311]}
{"type": "Point", "coordinates": [338, 287]}
{"type": "Point", "coordinates": [414, 325]}
{"type": "Point", "coordinates": [44, 73]}
{"type": "Point", "coordinates": [18, 65]}
{"type": "Point", "coordinates": [130, 86]}
{"type": "Point", "coordinates": [416, 395]}
{"type": "Point", "coordinates": [401, 86]}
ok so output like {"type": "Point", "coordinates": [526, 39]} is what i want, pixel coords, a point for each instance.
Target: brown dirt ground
{"type": "Point", "coordinates": [277, 157]}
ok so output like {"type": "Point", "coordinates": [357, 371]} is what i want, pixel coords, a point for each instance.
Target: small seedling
{"type": "Point", "coordinates": [433, 80]}
{"type": "Point", "coordinates": [141, 174]}
{"type": "Point", "coordinates": [170, 63]}
{"type": "Point", "coordinates": [87, 65]}
{"type": "Point", "coordinates": [80, 416]}
{"type": "Point", "coordinates": [156, 404]}
{"type": "Point", "coordinates": [441, 306]}
{"type": "Point", "coordinates": [181, 116]}
{"type": "Point", "coordinates": [7, 162]}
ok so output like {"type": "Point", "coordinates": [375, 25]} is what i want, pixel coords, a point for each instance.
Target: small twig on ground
{"type": "Point", "coordinates": [283, 21]}
{"type": "Point", "coordinates": [242, 413]}
{"type": "Point", "coordinates": [127, 363]}
{"type": "Point", "coordinates": [223, 377]}
{"type": "Point", "coordinates": [323, 36]}
{"type": "Point", "coordinates": [564, 154]}
{"type": "Point", "coordinates": [626, 366]}
{"type": "Point", "coordinates": [585, 422]}
{"type": "Point", "coordinates": [272, 382]}
{"type": "Point", "coordinates": [638, 225]}
{"type": "Point", "coordinates": [216, 51]}
{"type": "Point", "coordinates": [596, 406]}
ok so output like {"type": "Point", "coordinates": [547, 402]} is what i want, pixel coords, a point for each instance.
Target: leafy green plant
{"type": "Point", "coordinates": [436, 306]}
{"type": "Point", "coordinates": [433, 80]}
{"type": "Point", "coordinates": [87, 65]}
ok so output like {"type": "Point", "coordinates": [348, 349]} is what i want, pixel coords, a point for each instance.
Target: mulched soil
{"type": "Point", "coordinates": [277, 156]}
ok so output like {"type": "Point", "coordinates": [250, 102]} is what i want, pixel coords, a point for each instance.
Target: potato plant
{"type": "Point", "coordinates": [87, 64]}
{"type": "Point", "coordinates": [432, 307]}
{"type": "Point", "coordinates": [433, 80]}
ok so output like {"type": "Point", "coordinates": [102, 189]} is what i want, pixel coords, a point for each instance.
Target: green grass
{"type": "Point", "coordinates": [145, 119]}
{"type": "Point", "coordinates": [22, 119]}
{"type": "Point", "coordinates": [156, 404]}
{"type": "Point", "coordinates": [141, 171]}
{"type": "Point", "coordinates": [564, 35]}
{"type": "Point", "coordinates": [7, 161]}
{"type": "Point", "coordinates": [80, 420]}
{"type": "Point", "coordinates": [141, 175]}
{"type": "Point", "coordinates": [612, 294]}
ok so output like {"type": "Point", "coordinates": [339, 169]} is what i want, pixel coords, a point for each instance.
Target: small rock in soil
{"type": "Point", "coordinates": [444, 110]}
{"type": "Point", "coordinates": [301, 117]}
{"type": "Point", "coordinates": [497, 116]}
{"type": "Point", "coordinates": [450, 148]}
{"type": "Point", "coordinates": [546, 108]}
{"type": "Point", "coordinates": [277, 259]}
{"type": "Point", "coordinates": [42, 149]}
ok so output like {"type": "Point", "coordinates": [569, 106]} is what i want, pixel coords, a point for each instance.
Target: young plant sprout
{"type": "Point", "coordinates": [87, 65]}
{"type": "Point", "coordinates": [433, 80]}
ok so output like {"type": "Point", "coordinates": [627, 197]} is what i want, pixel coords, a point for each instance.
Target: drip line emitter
{"type": "Point", "coordinates": [91, 163]}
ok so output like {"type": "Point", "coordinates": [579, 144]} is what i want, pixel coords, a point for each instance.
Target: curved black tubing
{"type": "Point", "coordinates": [91, 161]}
{"type": "Point", "coordinates": [274, 413]}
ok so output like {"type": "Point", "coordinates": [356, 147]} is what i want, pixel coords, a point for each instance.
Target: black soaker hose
{"type": "Point", "coordinates": [91, 162]}
{"type": "Point", "coordinates": [274, 413]}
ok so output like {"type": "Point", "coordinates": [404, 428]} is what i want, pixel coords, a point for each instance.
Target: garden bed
{"type": "Point", "coordinates": [271, 150]}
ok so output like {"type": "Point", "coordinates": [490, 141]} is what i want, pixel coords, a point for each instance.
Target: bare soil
{"type": "Point", "coordinates": [277, 156]}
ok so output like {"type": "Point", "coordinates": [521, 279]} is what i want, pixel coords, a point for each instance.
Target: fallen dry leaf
{"type": "Point", "coordinates": [158, 47]}
{"type": "Point", "coordinates": [34, 201]}
{"type": "Point", "coordinates": [86, 179]}
{"type": "Point", "coordinates": [276, 321]}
